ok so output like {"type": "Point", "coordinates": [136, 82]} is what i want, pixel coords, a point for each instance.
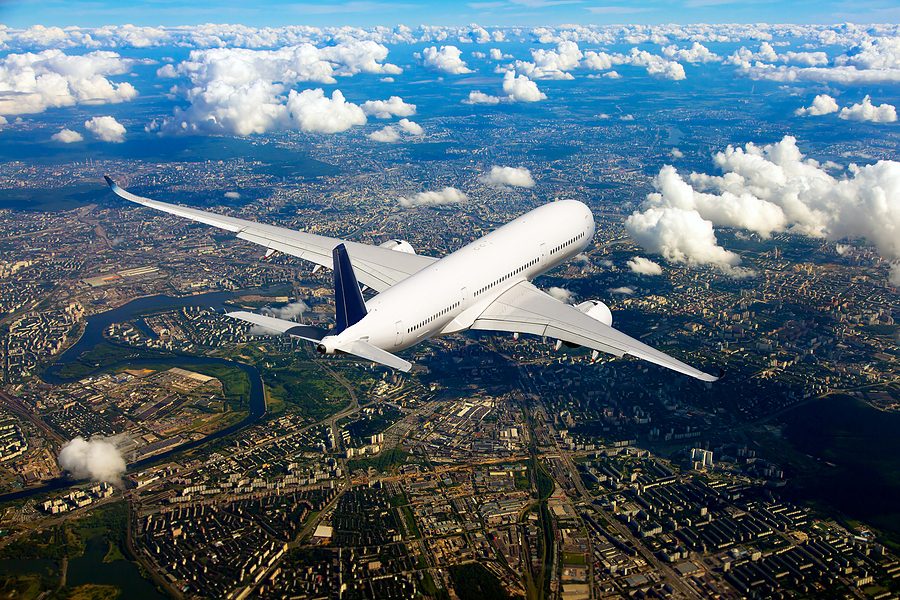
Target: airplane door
{"type": "Point", "coordinates": [464, 294]}
{"type": "Point", "coordinates": [543, 254]}
{"type": "Point", "coordinates": [399, 339]}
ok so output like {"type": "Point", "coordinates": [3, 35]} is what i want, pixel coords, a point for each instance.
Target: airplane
{"type": "Point", "coordinates": [485, 285]}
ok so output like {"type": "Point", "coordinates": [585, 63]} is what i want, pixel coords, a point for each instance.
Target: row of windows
{"type": "Point", "coordinates": [433, 317]}
{"type": "Point", "coordinates": [507, 276]}
{"type": "Point", "coordinates": [567, 243]}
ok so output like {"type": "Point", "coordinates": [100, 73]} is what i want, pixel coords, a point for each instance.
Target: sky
{"type": "Point", "coordinates": [18, 14]}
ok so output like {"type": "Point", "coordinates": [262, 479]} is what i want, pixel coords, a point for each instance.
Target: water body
{"type": "Point", "coordinates": [861, 443]}
{"type": "Point", "coordinates": [89, 568]}
{"type": "Point", "coordinates": [97, 324]}
{"type": "Point", "coordinates": [674, 136]}
{"type": "Point", "coordinates": [93, 335]}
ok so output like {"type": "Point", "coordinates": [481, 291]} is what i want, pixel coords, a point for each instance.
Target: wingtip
{"type": "Point", "coordinates": [109, 181]}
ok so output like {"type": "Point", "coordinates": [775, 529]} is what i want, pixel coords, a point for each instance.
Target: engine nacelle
{"type": "Point", "coordinates": [399, 246]}
{"type": "Point", "coordinates": [596, 310]}
{"type": "Point", "coordinates": [327, 345]}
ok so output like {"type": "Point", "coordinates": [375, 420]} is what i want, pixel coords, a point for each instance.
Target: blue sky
{"type": "Point", "coordinates": [368, 13]}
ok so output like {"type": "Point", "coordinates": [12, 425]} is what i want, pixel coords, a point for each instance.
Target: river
{"type": "Point", "coordinates": [93, 335]}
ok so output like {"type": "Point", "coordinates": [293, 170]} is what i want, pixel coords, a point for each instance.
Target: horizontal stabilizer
{"type": "Point", "coordinates": [375, 354]}
{"type": "Point", "coordinates": [306, 332]}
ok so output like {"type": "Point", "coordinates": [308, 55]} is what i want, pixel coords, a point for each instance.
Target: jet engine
{"type": "Point", "coordinates": [327, 345]}
{"type": "Point", "coordinates": [594, 309]}
{"type": "Point", "coordinates": [399, 246]}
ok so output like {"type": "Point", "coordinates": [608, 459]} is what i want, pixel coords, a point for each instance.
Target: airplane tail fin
{"type": "Point", "coordinates": [349, 306]}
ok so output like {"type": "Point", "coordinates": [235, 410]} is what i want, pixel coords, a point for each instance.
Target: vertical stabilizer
{"type": "Point", "coordinates": [349, 307]}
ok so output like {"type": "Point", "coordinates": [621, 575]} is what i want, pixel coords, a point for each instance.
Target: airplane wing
{"type": "Point", "coordinates": [378, 268]}
{"type": "Point", "coordinates": [526, 309]}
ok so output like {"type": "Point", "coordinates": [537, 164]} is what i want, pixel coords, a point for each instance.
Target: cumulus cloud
{"type": "Point", "coordinates": [866, 111]}
{"type": "Point", "coordinates": [387, 134]}
{"type": "Point", "coordinates": [766, 190]}
{"type": "Point", "coordinates": [842, 249]}
{"type": "Point", "coordinates": [497, 54]}
{"type": "Point", "coordinates": [521, 89]}
{"type": "Point", "coordinates": [698, 53]}
{"type": "Point", "coordinates": [411, 127]}
{"type": "Point", "coordinates": [476, 97]}
{"type": "Point", "coordinates": [656, 65]}
{"type": "Point", "coordinates": [287, 312]}
{"type": "Point", "coordinates": [67, 136]}
{"type": "Point", "coordinates": [32, 83]}
{"type": "Point", "coordinates": [445, 60]}
{"type": "Point", "coordinates": [448, 195]}
{"type": "Point", "coordinates": [233, 195]}
{"type": "Point", "coordinates": [681, 236]}
{"type": "Point", "coordinates": [98, 459]}
{"type": "Point", "coordinates": [511, 176]}
{"type": "Point", "coordinates": [551, 64]}
{"type": "Point", "coordinates": [644, 266]}
{"type": "Point", "coordinates": [561, 294]}
{"type": "Point", "coordinates": [823, 104]}
{"type": "Point", "coordinates": [894, 275]}
{"type": "Point", "coordinates": [312, 111]}
{"type": "Point", "coordinates": [676, 153]}
{"type": "Point", "coordinates": [106, 129]}
{"type": "Point", "coordinates": [622, 291]}
{"type": "Point", "coordinates": [385, 109]}
{"type": "Point", "coordinates": [236, 90]}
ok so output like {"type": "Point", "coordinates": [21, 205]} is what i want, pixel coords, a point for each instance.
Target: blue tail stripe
{"type": "Point", "coordinates": [349, 306]}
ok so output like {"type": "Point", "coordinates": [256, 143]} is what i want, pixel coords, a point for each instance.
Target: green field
{"type": "Point", "coordinates": [304, 388]}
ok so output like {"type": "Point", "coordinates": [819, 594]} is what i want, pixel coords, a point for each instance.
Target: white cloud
{"type": "Point", "coordinates": [823, 104]}
{"type": "Point", "coordinates": [312, 111]}
{"type": "Point", "coordinates": [387, 134]}
{"type": "Point", "coordinates": [769, 189]}
{"type": "Point", "coordinates": [32, 83]}
{"type": "Point", "coordinates": [445, 60]}
{"type": "Point", "coordinates": [67, 136]}
{"type": "Point", "coordinates": [385, 109]}
{"type": "Point", "coordinates": [698, 53]}
{"type": "Point", "coordinates": [644, 266]}
{"type": "Point", "coordinates": [502, 176]}
{"type": "Point", "coordinates": [551, 64]}
{"type": "Point", "coordinates": [656, 65]}
{"type": "Point", "coordinates": [411, 127]}
{"type": "Point", "coordinates": [98, 459]}
{"type": "Point", "coordinates": [681, 236]}
{"type": "Point", "coordinates": [448, 195]}
{"type": "Point", "coordinates": [612, 75]}
{"type": "Point", "coordinates": [894, 275]}
{"type": "Point", "coordinates": [233, 195]}
{"type": "Point", "coordinates": [676, 153]}
{"type": "Point", "coordinates": [521, 89]}
{"type": "Point", "coordinates": [287, 312]}
{"type": "Point", "coordinates": [106, 129]}
{"type": "Point", "coordinates": [866, 111]}
{"type": "Point", "coordinates": [497, 54]}
{"type": "Point", "coordinates": [842, 249]}
{"type": "Point", "coordinates": [476, 97]}
{"type": "Point", "coordinates": [236, 90]}
{"type": "Point", "coordinates": [561, 294]}
{"type": "Point", "coordinates": [621, 291]}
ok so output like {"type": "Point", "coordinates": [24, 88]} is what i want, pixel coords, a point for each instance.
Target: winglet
{"type": "Point", "coordinates": [109, 181]}
{"type": "Point", "coordinates": [349, 306]}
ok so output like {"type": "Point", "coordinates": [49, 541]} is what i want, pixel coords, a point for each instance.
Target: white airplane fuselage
{"type": "Point", "coordinates": [447, 296]}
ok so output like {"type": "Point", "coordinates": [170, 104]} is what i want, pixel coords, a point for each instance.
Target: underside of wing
{"type": "Point", "coordinates": [379, 268]}
{"type": "Point", "coordinates": [526, 309]}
